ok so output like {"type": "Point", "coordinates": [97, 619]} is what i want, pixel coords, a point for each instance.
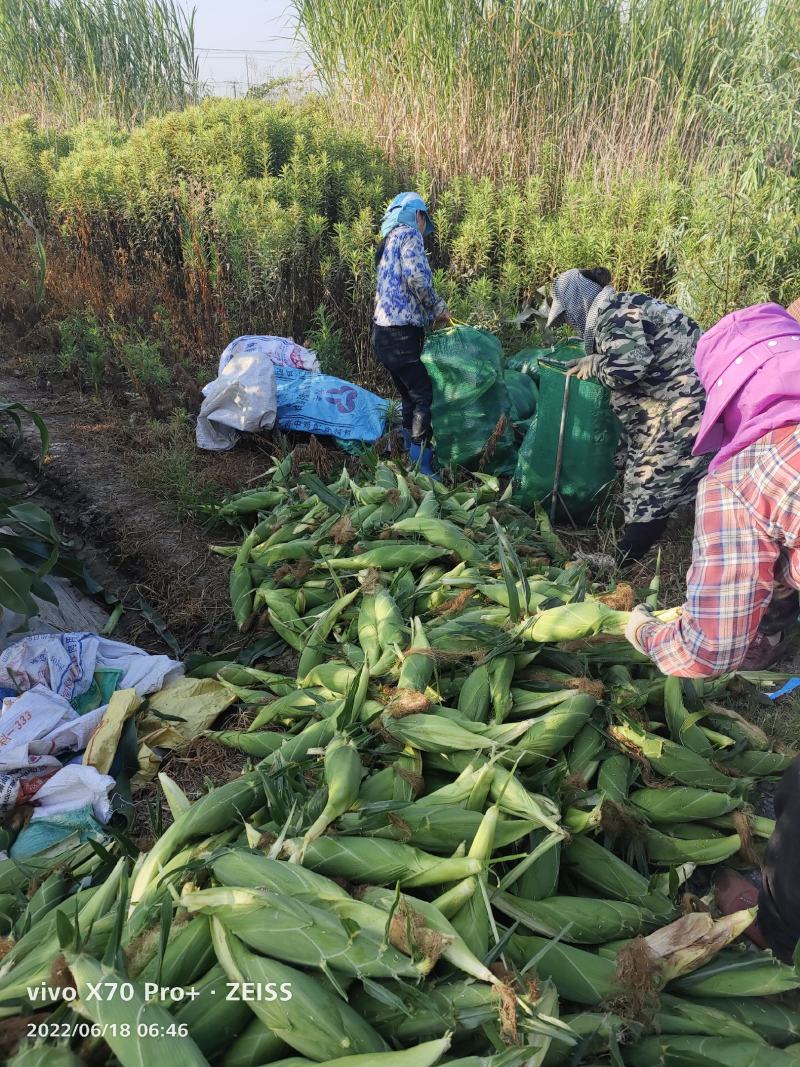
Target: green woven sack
{"type": "Point", "coordinates": [470, 398]}
{"type": "Point", "coordinates": [590, 441]}
{"type": "Point", "coordinates": [526, 361]}
{"type": "Point", "coordinates": [523, 394]}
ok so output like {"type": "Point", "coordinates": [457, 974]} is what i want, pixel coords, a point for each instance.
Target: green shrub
{"type": "Point", "coordinates": [326, 340]}
{"type": "Point", "coordinates": [84, 348]}
{"type": "Point", "coordinates": [144, 365]}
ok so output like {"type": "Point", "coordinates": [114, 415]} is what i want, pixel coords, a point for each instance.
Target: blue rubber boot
{"type": "Point", "coordinates": [426, 462]}
{"type": "Point", "coordinates": [424, 458]}
{"type": "Point", "coordinates": [406, 435]}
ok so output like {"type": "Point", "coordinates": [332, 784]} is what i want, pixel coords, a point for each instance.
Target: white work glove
{"type": "Point", "coordinates": [639, 617]}
{"type": "Point", "coordinates": [582, 368]}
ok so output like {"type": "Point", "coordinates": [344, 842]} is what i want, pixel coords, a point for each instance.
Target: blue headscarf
{"type": "Point", "coordinates": [403, 212]}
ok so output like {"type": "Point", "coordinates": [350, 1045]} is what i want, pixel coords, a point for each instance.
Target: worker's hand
{"type": "Point", "coordinates": [582, 368]}
{"type": "Point", "coordinates": [442, 321]}
{"type": "Point", "coordinates": [640, 616]}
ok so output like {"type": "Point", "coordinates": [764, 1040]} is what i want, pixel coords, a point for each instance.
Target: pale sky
{"type": "Point", "coordinates": [237, 37]}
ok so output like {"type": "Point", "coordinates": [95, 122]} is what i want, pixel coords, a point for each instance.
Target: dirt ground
{"type": "Point", "coordinates": [136, 546]}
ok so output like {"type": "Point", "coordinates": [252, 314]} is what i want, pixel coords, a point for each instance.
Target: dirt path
{"type": "Point", "coordinates": [135, 546]}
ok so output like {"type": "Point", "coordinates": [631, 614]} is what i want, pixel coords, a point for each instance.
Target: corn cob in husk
{"type": "Point", "coordinates": [700, 1051]}
{"type": "Point", "coordinates": [582, 921]}
{"type": "Point", "coordinates": [362, 860]}
{"type": "Point", "coordinates": [313, 1020]}
{"type": "Point", "coordinates": [682, 804]}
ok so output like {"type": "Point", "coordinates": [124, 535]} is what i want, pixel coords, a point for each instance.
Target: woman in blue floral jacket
{"type": "Point", "coordinates": [405, 304]}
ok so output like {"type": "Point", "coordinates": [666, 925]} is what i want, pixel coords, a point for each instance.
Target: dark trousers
{"type": "Point", "coordinates": [638, 538]}
{"type": "Point", "coordinates": [779, 900]}
{"type": "Point", "coordinates": [398, 349]}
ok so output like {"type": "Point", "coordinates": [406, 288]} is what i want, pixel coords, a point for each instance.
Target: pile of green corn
{"type": "Point", "coordinates": [472, 832]}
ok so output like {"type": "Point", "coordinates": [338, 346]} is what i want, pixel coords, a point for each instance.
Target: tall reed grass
{"type": "Point", "coordinates": [492, 87]}
{"type": "Point", "coordinates": [69, 60]}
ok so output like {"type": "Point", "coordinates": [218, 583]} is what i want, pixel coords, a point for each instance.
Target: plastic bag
{"type": "Point", "coordinates": [526, 361]}
{"type": "Point", "coordinates": [243, 398]}
{"type": "Point", "coordinates": [522, 393]}
{"type": "Point", "coordinates": [590, 441]}
{"type": "Point", "coordinates": [320, 404]}
{"type": "Point", "coordinates": [470, 398]}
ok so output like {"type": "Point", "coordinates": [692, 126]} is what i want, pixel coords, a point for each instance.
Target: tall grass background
{"type": "Point", "coordinates": [657, 138]}
{"type": "Point", "coordinates": [487, 87]}
{"type": "Point", "coordinates": [69, 60]}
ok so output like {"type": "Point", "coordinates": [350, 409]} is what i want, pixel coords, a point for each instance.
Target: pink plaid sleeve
{"type": "Point", "coordinates": [729, 586]}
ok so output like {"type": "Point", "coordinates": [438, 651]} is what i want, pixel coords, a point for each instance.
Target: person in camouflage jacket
{"type": "Point", "coordinates": [642, 350]}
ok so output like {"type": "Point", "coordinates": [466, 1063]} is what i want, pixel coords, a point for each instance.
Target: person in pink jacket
{"type": "Point", "coordinates": [745, 572]}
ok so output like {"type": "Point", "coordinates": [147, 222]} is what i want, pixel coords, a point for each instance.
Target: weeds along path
{"type": "Point", "coordinates": [135, 546]}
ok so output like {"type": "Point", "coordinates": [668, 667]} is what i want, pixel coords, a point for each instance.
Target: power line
{"type": "Point", "coordinates": [244, 52]}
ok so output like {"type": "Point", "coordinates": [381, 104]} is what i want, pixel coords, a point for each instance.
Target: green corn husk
{"type": "Point", "coordinates": [578, 920]}
{"type": "Point", "coordinates": [314, 651]}
{"type": "Point", "coordinates": [454, 950]}
{"type": "Point", "coordinates": [699, 1051]}
{"type": "Point", "coordinates": [37, 966]}
{"type": "Point", "coordinates": [452, 1004]}
{"type": "Point", "coordinates": [294, 702]}
{"type": "Point", "coordinates": [44, 1056]}
{"type": "Point", "coordinates": [776, 1023]}
{"type": "Point", "coordinates": [314, 1020]}
{"type": "Point", "coordinates": [695, 831]}
{"type": "Point", "coordinates": [296, 746]}
{"type": "Point", "coordinates": [672, 851]}
{"type": "Point", "coordinates": [584, 752]}
{"type": "Point", "coordinates": [527, 702]}
{"type": "Point", "coordinates": [51, 892]}
{"type": "Point", "coordinates": [210, 814]}
{"type": "Point", "coordinates": [213, 1021]}
{"type": "Point", "coordinates": [300, 934]}
{"type": "Point", "coordinates": [501, 671]}
{"type": "Point", "coordinates": [737, 727]}
{"type": "Point", "coordinates": [382, 862]}
{"type": "Point", "coordinates": [241, 583]}
{"type": "Point", "coordinates": [113, 1014]}
{"type": "Point", "coordinates": [188, 955]}
{"type": "Point", "coordinates": [254, 870]}
{"type": "Point", "coordinates": [540, 879]}
{"type": "Point", "coordinates": [682, 803]}
{"type": "Point", "coordinates": [608, 874]}
{"type": "Point", "coordinates": [679, 721]}
{"type": "Point", "coordinates": [417, 669]}
{"type": "Point", "coordinates": [343, 772]}
{"type": "Point", "coordinates": [260, 744]}
{"type": "Point", "coordinates": [434, 733]}
{"type": "Point", "coordinates": [472, 784]}
{"type": "Point", "coordinates": [614, 777]}
{"type": "Point", "coordinates": [435, 828]}
{"type": "Point", "coordinates": [551, 732]}
{"type": "Point", "coordinates": [473, 920]}
{"type": "Point", "coordinates": [425, 1055]}
{"type": "Point", "coordinates": [255, 1045]}
{"type": "Point", "coordinates": [738, 974]}
{"type": "Point", "coordinates": [594, 1031]}
{"type": "Point", "coordinates": [674, 761]}
{"type": "Point", "coordinates": [513, 798]}
{"type": "Point", "coordinates": [333, 676]}
{"type": "Point", "coordinates": [388, 557]}
{"type": "Point", "coordinates": [475, 698]}
{"type": "Point", "coordinates": [578, 975]}
{"type": "Point", "coordinates": [442, 534]}
{"type": "Point", "coordinates": [759, 764]}
{"type": "Point", "coordinates": [677, 1015]}
{"type": "Point", "coordinates": [571, 622]}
